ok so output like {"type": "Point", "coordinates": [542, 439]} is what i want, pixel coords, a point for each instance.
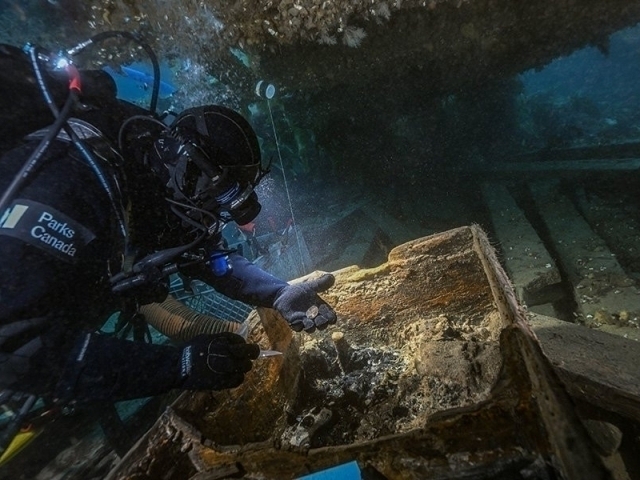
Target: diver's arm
{"type": "Point", "coordinates": [101, 367]}
{"type": "Point", "coordinates": [246, 282]}
{"type": "Point", "coordinates": [299, 304]}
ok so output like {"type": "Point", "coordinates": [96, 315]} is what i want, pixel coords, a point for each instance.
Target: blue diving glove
{"type": "Point", "coordinates": [216, 362]}
{"type": "Point", "coordinates": [301, 306]}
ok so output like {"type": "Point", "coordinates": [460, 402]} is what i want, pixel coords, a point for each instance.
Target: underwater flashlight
{"type": "Point", "coordinates": [60, 62]}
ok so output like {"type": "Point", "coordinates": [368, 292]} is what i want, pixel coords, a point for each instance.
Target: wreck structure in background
{"type": "Point", "coordinates": [319, 47]}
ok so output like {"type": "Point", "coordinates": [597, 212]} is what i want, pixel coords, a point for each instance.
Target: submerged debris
{"type": "Point", "coordinates": [348, 393]}
{"type": "Point", "coordinates": [306, 427]}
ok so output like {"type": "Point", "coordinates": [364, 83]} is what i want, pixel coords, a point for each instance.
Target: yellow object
{"type": "Point", "coordinates": [21, 440]}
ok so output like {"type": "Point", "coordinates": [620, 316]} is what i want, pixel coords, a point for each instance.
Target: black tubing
{"type": "Point", "coordinates": [155, 90]}
{"type": "Point", "coordinates": [180, 323]}
{"type": "Point", "coordinates": [34, 159]}
{"type": "Point", "coordinates": [73, 98]}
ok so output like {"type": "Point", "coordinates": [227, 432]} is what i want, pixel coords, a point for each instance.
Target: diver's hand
{"type": "Point", "coordinates": [301, 306]}
{"type": "Point", "coordinates": [216, 362]}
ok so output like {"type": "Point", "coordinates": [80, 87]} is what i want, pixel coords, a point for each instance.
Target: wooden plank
{"type": "Point", "coordinates": [596, 367]}
{"type": "Point", "coordinates": [602, 290]}
{"type": "Point", "coordinates": [617, 223]}
{"type": "Point", "coordinates": [533, 272]}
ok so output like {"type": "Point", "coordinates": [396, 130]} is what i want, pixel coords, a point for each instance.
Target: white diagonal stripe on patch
{"type": "Point", "coordinates": [14, 216]}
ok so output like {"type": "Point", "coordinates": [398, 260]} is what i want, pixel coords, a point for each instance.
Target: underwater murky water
{"type": "Point", "coordinates": [361, 168]}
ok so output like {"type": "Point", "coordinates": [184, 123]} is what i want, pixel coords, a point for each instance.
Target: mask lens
{"type": "Point", "coordinates": [247, 210]}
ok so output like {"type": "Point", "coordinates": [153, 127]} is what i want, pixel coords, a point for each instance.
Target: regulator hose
{"type": "Point", "coordinates": [180, 323]}
{"type": "Point", "coordinates": [100, 37]}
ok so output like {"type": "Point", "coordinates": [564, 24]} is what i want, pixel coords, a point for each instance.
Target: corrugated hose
{"type": "Point", "coordinates": [181, 323]}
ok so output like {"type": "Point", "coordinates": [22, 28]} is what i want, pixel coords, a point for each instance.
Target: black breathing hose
{"type": "Point", "coordinates": [61, 117]}
{"type": "Point", "coordinates": [155, 90]}
{"type": "Point", "coordinates": [35, 157]}
{"type": "Point", "coordinates": [85, 152]}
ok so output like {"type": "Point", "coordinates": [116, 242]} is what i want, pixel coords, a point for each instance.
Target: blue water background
{"type": "Point", "coordinates": [138, 90]}
{"type": "Point", "coordinates": [611, 78]}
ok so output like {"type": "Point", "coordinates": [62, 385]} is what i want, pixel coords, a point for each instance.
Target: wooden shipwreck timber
{"type": "Point", "coordinates": [433, 371]}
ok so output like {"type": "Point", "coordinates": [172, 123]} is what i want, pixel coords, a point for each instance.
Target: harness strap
{"type": "Point", "coordinates": [82, 129]}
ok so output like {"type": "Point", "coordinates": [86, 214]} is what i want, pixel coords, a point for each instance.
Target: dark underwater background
{"type": "Point", "coordinates": [357, 179]}
{"type": "Point", "coordinates": [421, 156]}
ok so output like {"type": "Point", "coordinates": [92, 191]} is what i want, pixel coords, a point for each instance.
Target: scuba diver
{"type": "Point", "coordinates": [101, 202]}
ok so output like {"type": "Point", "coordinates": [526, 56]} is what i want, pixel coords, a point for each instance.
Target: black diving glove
{"type": "Point", "coordinates": [301, 306]}
{"type": "Point", "coordinates": [216, 362]}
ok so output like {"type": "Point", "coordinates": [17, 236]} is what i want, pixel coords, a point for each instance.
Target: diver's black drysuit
{"type": "Point", "coordinates": [60, 243]}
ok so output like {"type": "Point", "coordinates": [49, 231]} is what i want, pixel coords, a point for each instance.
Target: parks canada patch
{"type": "Point", "coordinates": [45, 228]}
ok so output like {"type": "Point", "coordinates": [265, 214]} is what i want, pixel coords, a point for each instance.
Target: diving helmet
{"type": "Point", "coordinates": [209, 159]}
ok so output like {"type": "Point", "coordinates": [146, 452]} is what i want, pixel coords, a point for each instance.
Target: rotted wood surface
{"type": "Point", "coordinates": [597, 367]}
{"type": "Point", "coordinates": [487, 402]}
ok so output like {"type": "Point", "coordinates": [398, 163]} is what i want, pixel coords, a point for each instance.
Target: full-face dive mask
{"type": "Point", "coordinates": [210, 161]}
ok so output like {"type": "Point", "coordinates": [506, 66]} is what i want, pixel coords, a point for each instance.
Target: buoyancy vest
{"type": "Point", "coordinates": [58, 245]}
